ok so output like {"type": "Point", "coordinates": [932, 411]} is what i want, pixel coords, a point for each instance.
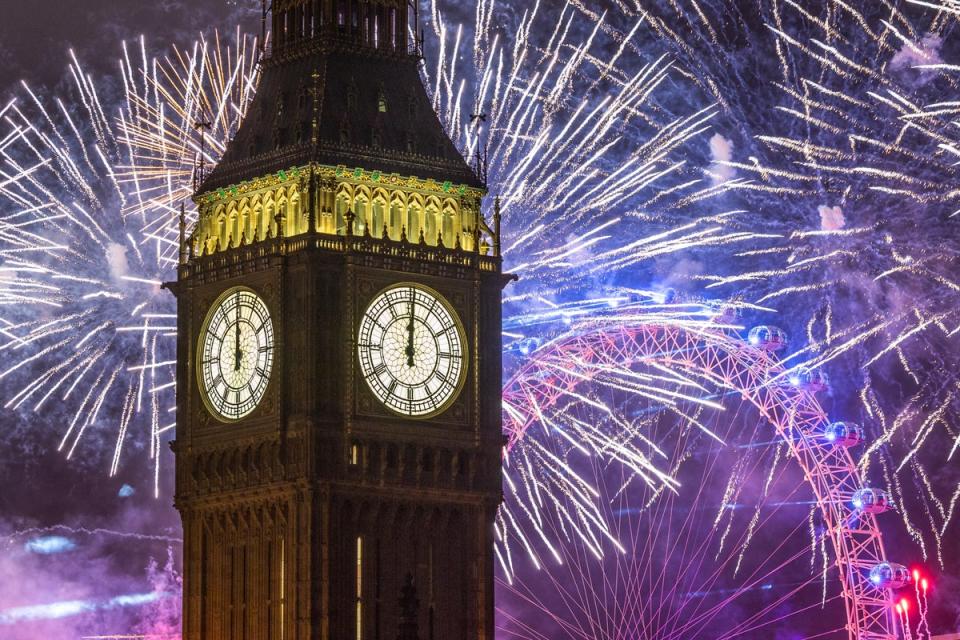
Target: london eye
{"type": "Point", "coordinates": [747, 498]}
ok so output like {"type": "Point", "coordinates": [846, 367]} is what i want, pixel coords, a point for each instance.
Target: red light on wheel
{"type": "Point", "coordinates": [924, 584]}
{"type": "Point", "coordinates": [905, 604]}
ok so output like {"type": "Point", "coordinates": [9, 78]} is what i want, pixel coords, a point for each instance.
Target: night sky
{"type": "Point", "coordinates": [35, 36]}
{"type": "Point", "coordinates": [39, 489]}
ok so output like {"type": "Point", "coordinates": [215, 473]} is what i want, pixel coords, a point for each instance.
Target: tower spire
{"type": "Point", "coordinates": [263, 28]}
{"type": "Point", "coordinates": [200, 170]}
{"type": "Point", "coordinates": [183, 234]}
{"type": "Point", "coordinates": [496, 226]}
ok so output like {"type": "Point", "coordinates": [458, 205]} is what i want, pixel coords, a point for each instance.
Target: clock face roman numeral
{"type": "Point", "coordinates": [236, 354]}
{"type": "Point", "coordinates": [410, 350]}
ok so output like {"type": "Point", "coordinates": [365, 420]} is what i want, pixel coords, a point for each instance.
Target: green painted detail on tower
{"type": "Point", "coordinates": [304, 518]}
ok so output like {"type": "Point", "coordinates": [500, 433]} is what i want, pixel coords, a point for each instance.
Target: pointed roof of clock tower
{"type": "Point", "coordinates": [341, 86]}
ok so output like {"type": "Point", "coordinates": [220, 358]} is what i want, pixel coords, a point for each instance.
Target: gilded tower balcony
{"type": "Point", "coordinates": [344, 202]}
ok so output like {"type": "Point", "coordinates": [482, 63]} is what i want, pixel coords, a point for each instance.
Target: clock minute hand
{"type": "Point", "coordinates": [409, 349]}
{"type": "Point", "coordinates": [237, 353]}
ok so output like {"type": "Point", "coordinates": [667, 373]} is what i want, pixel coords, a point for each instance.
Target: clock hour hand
{"type": "Point", "coordinates": [409, 349]}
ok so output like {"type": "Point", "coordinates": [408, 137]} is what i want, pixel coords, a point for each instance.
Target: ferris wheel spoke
{"type": "Point", "coordinates": [696, 493]}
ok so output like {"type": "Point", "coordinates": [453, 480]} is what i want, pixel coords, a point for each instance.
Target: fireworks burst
{"type": "Point", "coordinates": [857, 171]}
{"type": "Point", "coordinates": [599, 150]}
{"type": "Point", "coordinates": [626, 198]}
{"type": "Point", "coordinates": [179, 113]}
{"type": "Point", "coordinates": [835, 166]}
{"type": "Point", "coordinates": [89, 234]}
{"type": "Point", "coordinates": [606, 177]}
{"type": "Point", "coordinates": [893, 260]}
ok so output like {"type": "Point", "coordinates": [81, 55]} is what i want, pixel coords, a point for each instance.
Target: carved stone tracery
{"type": "Point", "coordinates": [385, 207]}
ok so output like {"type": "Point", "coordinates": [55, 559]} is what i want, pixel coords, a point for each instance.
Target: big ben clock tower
{"type": "Point", "coordinates": [338, 389]}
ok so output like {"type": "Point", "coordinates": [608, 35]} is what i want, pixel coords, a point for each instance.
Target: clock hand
{"type": "Point", "coordinates": [409, 350]}
{"type": "Point", "coordinates": [237, 353]}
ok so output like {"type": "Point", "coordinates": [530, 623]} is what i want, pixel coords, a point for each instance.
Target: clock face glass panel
{"type": "Point", "coordinates": [411, 350]}
{"type": "Point", "coordinates": [236, 354]}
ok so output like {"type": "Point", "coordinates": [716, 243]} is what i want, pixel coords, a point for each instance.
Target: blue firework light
{"type": "Point", "coordinates": [780, 156]}
{"type": "Point", "coordinates": [811, 175]}
{"type": "Point", "coordinates": [851, 159]}
{"type": "Point", "coordinates": [594, 143]}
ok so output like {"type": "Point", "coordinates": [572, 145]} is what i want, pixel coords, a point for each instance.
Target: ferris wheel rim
{"type": "Point", "coordinates": [829, 471]}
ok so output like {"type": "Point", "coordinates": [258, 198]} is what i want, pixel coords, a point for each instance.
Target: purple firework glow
{"type": "Point", "coordinates": [683, 140]}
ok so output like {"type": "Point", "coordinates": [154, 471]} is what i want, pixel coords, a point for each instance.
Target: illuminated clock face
{"type": "Point", "coordinates": [235, 354]}
{"type": "Point", "coordinates": [411, 349]}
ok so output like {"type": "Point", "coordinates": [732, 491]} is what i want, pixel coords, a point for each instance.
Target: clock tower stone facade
{"type": "Point", "coordinates": [337, 484]}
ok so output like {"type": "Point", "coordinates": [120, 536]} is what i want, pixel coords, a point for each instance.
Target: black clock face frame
{"type": "Point", "coordinates": [235, 354]}
{"type": "Point", "coordinates": [412, 350]}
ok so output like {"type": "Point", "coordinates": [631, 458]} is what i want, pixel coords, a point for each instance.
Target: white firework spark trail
{"type": "Point", "coordinates": [88, 234]}
{"type": "Point", "coordinates": [873, 140]}
{"type": "Point", "coordinates": [841, 138]}
{"type": "Point", "coordinates": [652, 496]}
{"type": "Point", "coordinates": [133, 169]}
{"type": "Point", "coordinates": [603, 174]}
{"type": "Point", "coordinates": [587, 161]}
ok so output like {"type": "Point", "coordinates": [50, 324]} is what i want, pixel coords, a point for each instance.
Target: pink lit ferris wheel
{"type": "Point", "coordinates": [669, 479]}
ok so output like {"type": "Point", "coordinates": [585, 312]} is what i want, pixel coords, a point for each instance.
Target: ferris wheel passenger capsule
{"type": "Point", "coordinates": [524, 346]}
{"type": "Point", "coordinates": [843, 434]}
{"type": "Point", "coordinates": [889, 575]}
{"type": "Point", "coordinates": [727, 314]}
{"type": "Point", "coordinates": [870, 500]}
{"type": "Point", "coordinates": [812, 380]}
{"type": "Point", "coordinates": [767, 337]}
